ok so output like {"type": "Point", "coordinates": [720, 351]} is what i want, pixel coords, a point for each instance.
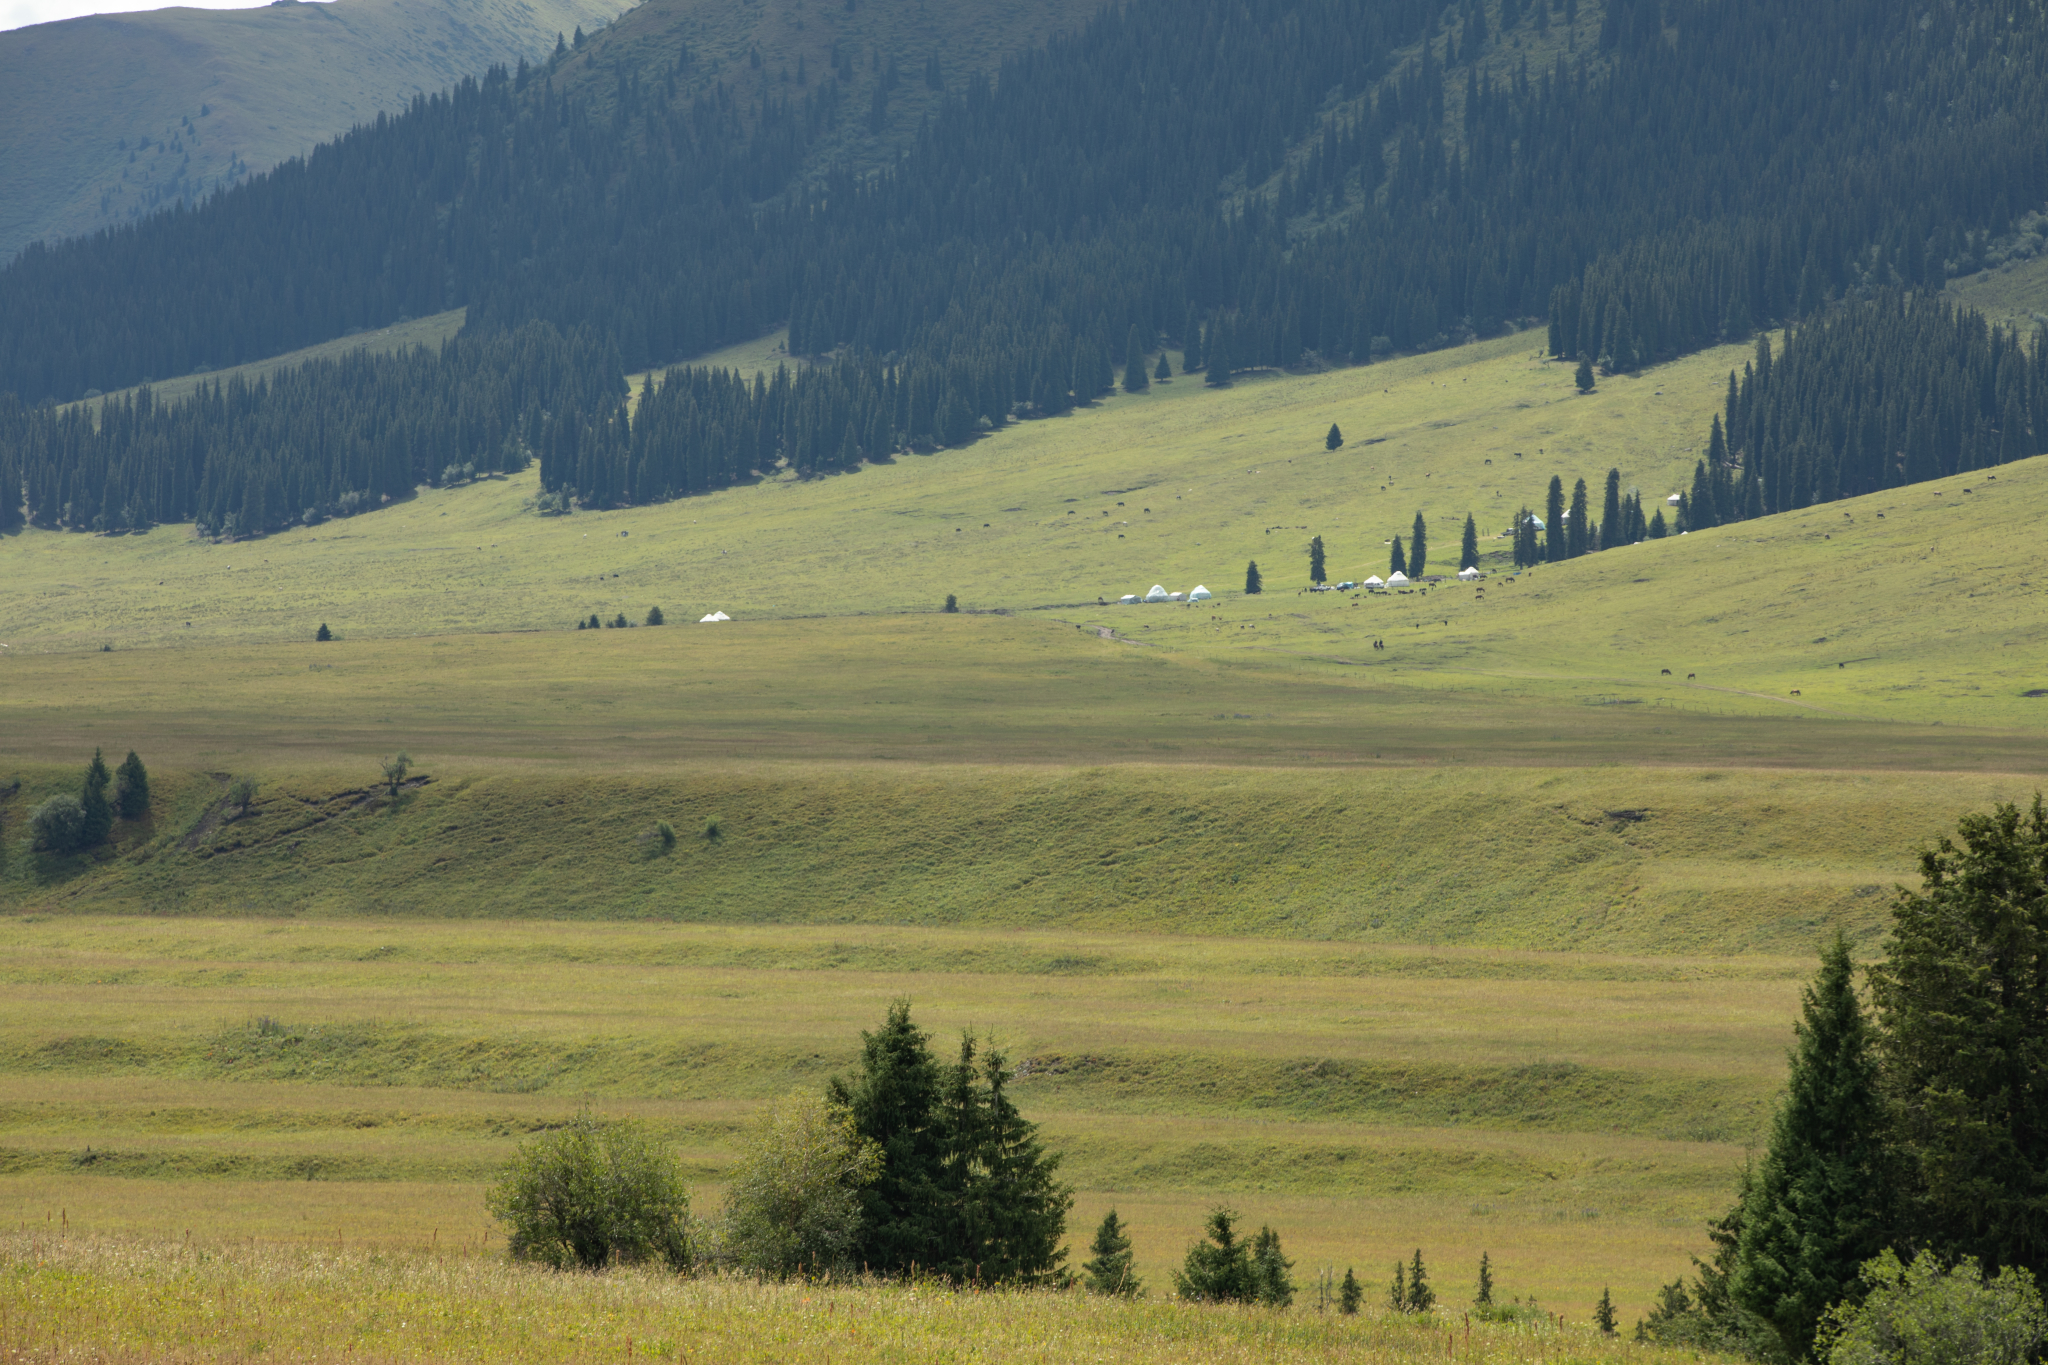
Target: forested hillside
{"type": "Point", "coordinates": [1262, 184]}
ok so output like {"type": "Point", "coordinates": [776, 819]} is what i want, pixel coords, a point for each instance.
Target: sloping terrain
{"type": "Point", "coordinates": [110, 117]}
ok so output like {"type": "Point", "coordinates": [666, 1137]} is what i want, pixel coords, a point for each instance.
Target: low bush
{"type": "Point", "coordinates": [595, 1194]}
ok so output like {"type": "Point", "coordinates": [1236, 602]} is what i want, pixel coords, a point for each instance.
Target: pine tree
{"type": "Point", "coordinates": [1109, 1269]}
{"type": "Point", "coordinates": [323, 634]}
{"type": "Point", "coordinates": [1657, 529]}
{"type": "Point", "coordinates": [1398, 561]}
{"type": "Point", "coordinates": [1484, 1298]}
{"type": "Point", "coordinates": [1603, 1313]}
{"type": "Point", "coordinates": [1421, 1298]}
{"type": "Point", "coordinates": [1584, 375]}
{"type": "Point", "coordinates": [1613, 523]}
{"type": "Point", "coordinates": [1349, 1294]}
{"type": "Point", "coordinates": [1553, 522]}
{"type": "Point", "coordinates": [1702, 513]}
{"type": "Point", "coordinates": [1164, 370]}
{"type": "Point", "coordinates": [952, 603]}
{"type": "Point", "coordinates": [1253, 583]}
{"type": "Point", "coordinates": [894, 1102]}
{"type": "Point", "coordinates": [1816, 1209]}
{"type": "Point", "coordinates": [1468, 545]}
{"type": "Point", "coordinates": [1334, 440]}
{"type": "Point", "coordinates": [1418, 548]}
{"type": "Point", "coordinates": [131, 788]}
{"type": "Point", "coordinates": [1315, 560]}
{"type": "Point", "coordinates": [1272, 1285]}
{"type": "Point", "coordinates": [1397, 1294]}
{"type": "Point", "coordinates": [1219, 1268]}
{"type": "Point", "coordinates": [1218, 376]}
{"type": "Point", "coordinates": [1135, 380]}
{"type": "Point", "coordinates": [99, 814]}
{"type": "Point", "coordinates": [1578, 527]}
{"type": "Point", "coordinates": [655, 618]}
{"type": "Point", "coordinates": [1001, 1211]}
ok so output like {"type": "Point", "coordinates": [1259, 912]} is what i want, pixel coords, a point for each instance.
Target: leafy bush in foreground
{"type": "Point", "coordinates": [595, 1194]}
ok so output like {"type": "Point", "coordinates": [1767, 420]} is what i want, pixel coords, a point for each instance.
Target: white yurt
{"type": "Point", "coordinates": [1198, 593]}
{"type": "Point", "coordinates": [1467, 575]}
{"type": "Point", "coordinates": [1374, 582]}
{"type": "Point", "coordinates": [1397, 579]}
{"type": "Point", "coordinates": [1158, 594]}
{"type": "Point", "coordinates": [1127, 599]}
{"type": "Point", "coordinates": [1176, 597]}
{"type": "Point", "coordinates": [1672, 501]}
{"type": "Point", "coordinates": [714, 616]}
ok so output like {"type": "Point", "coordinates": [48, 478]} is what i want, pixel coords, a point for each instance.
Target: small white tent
{"type": "Point", "coordinates": [1127, 599]}
{"type": "Point", "coordinates": [1397, 579]}
{"type": "Point", "coordinates": [714, 616]}
{"type": "Point", "coordinates": [1375, 582]}
{"type": "Point", "coordinates": [1176, 597]}
{"type": "Point", "coordinates": [1672, 501]}
{"type": "Point", "coordinates": [1198, 593]}
{"type": "Point", "coordinates": [1158, 594]}
{"type": "Point", "coordinates": [1467, 575]}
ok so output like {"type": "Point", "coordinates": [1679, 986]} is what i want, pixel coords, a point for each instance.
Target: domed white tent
{"type": "Point", "coordinates": [1467, 575]}
{"type": "Point", "coordinates": [1375, 582]}
{"type": "Point", "coordinates": [1198, 593]}
{"type": "Point", "coordinates": [1397, 579]}
{"type": "Point", "coordinates": [714, 616]}
{"type": "Point", "coordinates": [1158, 594]}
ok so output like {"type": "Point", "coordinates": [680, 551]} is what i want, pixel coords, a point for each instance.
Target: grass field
{"type": "Point", "coordinates": [1576, 1116]}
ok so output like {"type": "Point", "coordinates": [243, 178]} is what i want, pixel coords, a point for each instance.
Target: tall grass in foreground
{"type": "Point", "coordinates": [118, 1300]}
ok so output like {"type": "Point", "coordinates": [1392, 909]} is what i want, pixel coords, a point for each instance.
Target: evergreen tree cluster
{"type": "Point", "coordinates": [966, 1192]}
{"type": "Point", "coordinates": [1257, 182]}
{"type": "Point", "coordinates": [325, 439]}
{"type": "Point", "coordinates": [1914, 1123]}
{"type": "Point", "coordinates": [72, 824]}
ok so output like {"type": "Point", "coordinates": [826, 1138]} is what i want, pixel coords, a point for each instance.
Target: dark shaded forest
{"type": "Point", "coordinates": [1275, 183]}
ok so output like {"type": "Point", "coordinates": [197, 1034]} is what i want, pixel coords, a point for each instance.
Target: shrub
{"type": "Point", "coordinates": [395, 769]}
{"type": "Point", "coordinates": [242, 793]}
{"type": "Point", "coordinates": [794, 1202]}
{"type": "Point", "coordinates": [58, 823]}
{"type": "Point", "coordinates": [594, 1194]}
{"type": "Point", "coordinates": [1922, 1314]}
{"type": "Point", "coordinates": [665, 835]}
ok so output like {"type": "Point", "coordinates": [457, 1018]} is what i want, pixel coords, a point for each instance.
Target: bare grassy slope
{"type": "Point", "coordinates": [79, 97]}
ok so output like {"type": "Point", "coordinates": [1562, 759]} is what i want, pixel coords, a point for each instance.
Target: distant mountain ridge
{"type": "Point", "coordinates": [106, 118]}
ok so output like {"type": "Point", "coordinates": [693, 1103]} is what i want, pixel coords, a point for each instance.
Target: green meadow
{"type": "Point", "coordinates": [1469, 917]}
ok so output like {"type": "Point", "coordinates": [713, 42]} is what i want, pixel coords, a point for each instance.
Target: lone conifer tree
{"type": "Point", "coordinates": [1418, 548]}
{"type": "Point", "coordinates": [1335, 440]}
{"type": "Point", "coordinates": [1397, 562]}
{"type": "Point", "coordinates": [1163, 370]}
{"type": "Point", "coordinates": [1816, 1206]}
{"type": "Point", "coordinates": [952, 603]}
{"type": "Point", "coordinates": [1657, 530]}
{"type": "Point", "coordinates": [323, 634]}
{"type": "Point", "coordinates": [1421, 1298]}
{"type": "Point", "coordinates": [99, 813]}
{"type": "Point", "coordinates": [131, 788]}
{"type": "Point", "coordinates": [1109, 1272]}
{"type": "Point", "coordinates": [1135, 380]}
{"type": "Point", "coordinates": [1484, 1298]}
{"type": "Point", "coordinates": [1603, 1313]}
{"type": "Point", "coordinates": [1468, 545]}
{"type": "Point", "coordinates": [1349, 1294]}
{"type": "Point", "coordinates": [1584, 377]}
{"type": "Point", "coordinates": [1253, 583]}
{"type": "Point", "coordinates": [1553, 521]}
{"type": "Point", "coordinates": [1613, 522]}
{"type": "Point", "coordinates": [1315, 560]}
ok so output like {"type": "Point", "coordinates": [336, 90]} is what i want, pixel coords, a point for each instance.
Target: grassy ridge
{"type": "Point", "coordinates": [1612, 859]}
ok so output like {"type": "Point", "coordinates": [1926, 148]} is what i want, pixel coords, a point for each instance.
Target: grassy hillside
{"type": "Point", "coordinates": [218, 94]}
{"type": "Point", "coordinates": [1364, 1100]}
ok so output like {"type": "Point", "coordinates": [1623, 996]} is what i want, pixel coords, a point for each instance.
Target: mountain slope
{"type": "Point", "coordinates": [105, 118]}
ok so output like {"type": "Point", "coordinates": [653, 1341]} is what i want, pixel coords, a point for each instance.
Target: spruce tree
{"type": "Point", "coordinates": [1164, 370]}
{"type": "Point", "coordinates": [1109, 1269]}
{"type": "Point", "coordinates": [1349, 1294]}
{"type": "Point", "coordinates": [1603, 1313]}
{"type": "Point", "coordinates": [1253, 583]}
{"type": "Point", "coordinates": [1271, 1284]}
{"type": "Point", "coordinates": [1334, 440]}
{"type": "Point", "coordinates": [1578, 527]}
{"type": "Point", "coordinates": [131, 788]}
{"type": "Point", "coordinates": [1553, 522]}
{"type": "Point", "coordinates": [323, 634]}
{"type": "Point", "coordinates": [1001, 1211]}
{"type": "Point", "coordinates": [1315, 560]}
{"type": "Point", "coordinates": [1468, 545]}
{"type": "Point", "coordinates": [99, 814]}
{"type": "Point", "coordinates": [1817, 1209]}
{"type": "Point", "coordinates": [894, 1102]}
{"type": "Point", "coordinates": [1421, 1298]}
{"type": "Point", "coordinates": [1703, 514]}
{"type": "Point", "coordinates": [1960, 997]}
{"type": "Point", "coordinates": [1398, 561]}
{"type": "Point", "coordinates": [1218, 376]}
{"type": "Point", "coordinates": [1484, 1298]}
{"type": "Point", "coordinates": [1613, 521]}
{"type": "Point", "coordinates": [1657, 529]}
{"type": "Point", "coordinates": [1135, 380]}
{"type": "Point", "coordinates": [1418, 548]}
{"type": "Point", "coordinates": [1217, 1269]}
{"type": "Point", "coordinates": [1397, 1293]}
{"type": "Point", "coordinates": [1584, 375]}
